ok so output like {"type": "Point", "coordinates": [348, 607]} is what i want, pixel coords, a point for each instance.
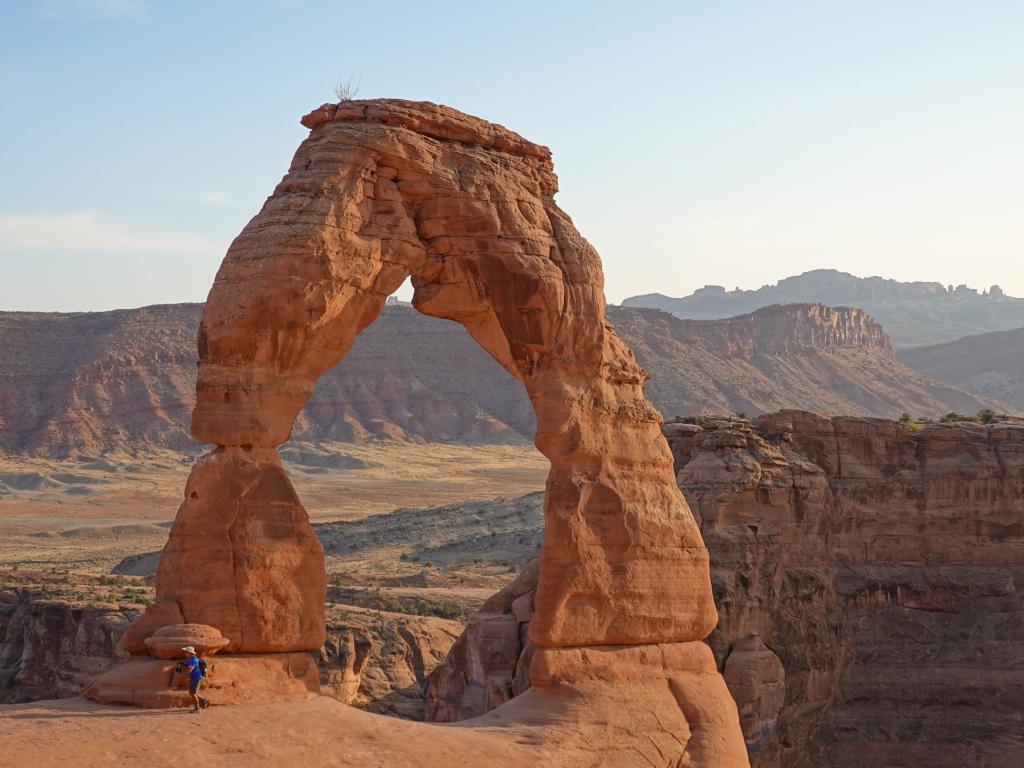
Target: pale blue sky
{"type": "Point", "coordinates": [696, 142]}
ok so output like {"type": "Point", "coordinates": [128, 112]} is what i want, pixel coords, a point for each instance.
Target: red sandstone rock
{"type": "Point", "coordinates": [388, 189]}
{"type": "Point", "coordinates": [490, 662]}
{"type": "Point", "coordinates": [158, 615]}
{"type": "Point", "coordinates": [51, 648]}
{"type": "Point", "coordinates": [169, 642]}
{"type": "Point", "coordinates": [380, 661]}
{"type": "Point", "coordinates": [878, 563]}
{"type": "Point", "coordinates": [156, 684]}
{"type": "Point", "coordinates": [242, 556]}
{"type": "Point", "coordinates": [381, 191]}
{"type": "Point", "coordinates": [757, 682]}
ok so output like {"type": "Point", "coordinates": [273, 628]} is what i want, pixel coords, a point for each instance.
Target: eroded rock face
{"type": "Point", "coordinates": [757, 682]}
{"type": "Point", "coordinates": [51, 648]}
{"type": "Point", "coordinates": [380, 191]}
{"type": "Point", "coordinates": [381, 661]}
{"type": "Point", "coordinates": [882, 565]}
{"type": "Point", "coordinates": [868, 582]}
{"type": "Point", "coordinates": [242, 556]}
{"type": "Point", "coordinates": [170, 642]}
{"type": "Point", "coordinates": [490, 662]}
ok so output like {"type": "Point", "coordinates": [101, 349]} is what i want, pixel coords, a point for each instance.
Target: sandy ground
{"type": "Point", "coordinates": [88, 515]}
{"type": "Point", "coordinates": [75, 733]}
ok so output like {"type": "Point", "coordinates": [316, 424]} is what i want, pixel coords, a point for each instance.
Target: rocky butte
{"type": "Point", "coordinates": [381, 191]}
{"type": "Point", "coordinates": [868, 578]}
{"type": "Point", "coordinates": [915, 314]}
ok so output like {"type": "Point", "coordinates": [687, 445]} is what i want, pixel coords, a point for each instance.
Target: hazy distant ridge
{"type": "Point", "coordinates": [913, 314]}
{"type": "Point", "coordinates": [991, 364]}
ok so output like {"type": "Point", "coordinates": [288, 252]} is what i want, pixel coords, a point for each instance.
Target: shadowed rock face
{"type": "Point", "coordinates": [381, 191]}
{"type": "Point", "coordinates": [49, 648]}
{"type": "Point", "coordinates": [868, 578]}
{"type": "Point", "coordinates": [882, 566]}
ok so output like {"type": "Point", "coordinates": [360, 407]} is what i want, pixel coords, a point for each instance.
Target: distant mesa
{"type": "Point", "coordinates": [913, 314]}
{"type": "Point", "coordinates": [86, 386]}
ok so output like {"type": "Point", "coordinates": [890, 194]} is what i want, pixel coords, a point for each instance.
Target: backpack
{"type": "Point", "coordinates": [202, 667]}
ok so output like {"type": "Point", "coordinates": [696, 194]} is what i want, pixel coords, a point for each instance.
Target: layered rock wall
{"type": "Point", "coordinates": [123, 382]}
{"type": "Point", "coordinates": [868, 576]}
{"type": "Point", "coordinates": [50, 648]}
{"type": "Point", "coordinates": [883, 566]}
{"type": "Point", "coordinates": [788, 330]}
{"type": "Point", "coordinates": [914, 314]}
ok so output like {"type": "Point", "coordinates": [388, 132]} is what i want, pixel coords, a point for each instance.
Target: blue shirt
{"type": "Point", "coordinates": [194, 672]}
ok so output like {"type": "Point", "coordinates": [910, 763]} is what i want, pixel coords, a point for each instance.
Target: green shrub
{"type": "Point", "coordinates": [445, 610]}
{"type": "Point", "coordinates": [953, 416]}
{"type": "Point", "coordinates": [987, 416]}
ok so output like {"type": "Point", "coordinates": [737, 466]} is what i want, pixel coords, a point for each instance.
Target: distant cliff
{"type": "Point", "coordinates": [88, 384]}
{"type": "Point", "coordinates": [124, 381]}
{"type": "Point", "coordinates": [831, 360]}
{"type": "Point", "coordinates": [914, 314]}
{"type": "Point", "coordinates": [785, 330]}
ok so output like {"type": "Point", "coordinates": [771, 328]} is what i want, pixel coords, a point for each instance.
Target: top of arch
{"type": "Point", "coordinates": [432, 120]}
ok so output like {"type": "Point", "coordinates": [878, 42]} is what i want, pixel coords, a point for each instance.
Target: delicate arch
{"type": "Point", "coordinates": [386, 189]}
{"type": "Point", "coordinates": [379, 191]}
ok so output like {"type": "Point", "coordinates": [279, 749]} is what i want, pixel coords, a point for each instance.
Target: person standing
{"type": "Point", "coordinates": [196, 674]}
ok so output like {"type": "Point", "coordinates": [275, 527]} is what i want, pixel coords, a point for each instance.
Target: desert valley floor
{"type": "Point", "coordinates": [89, 515]}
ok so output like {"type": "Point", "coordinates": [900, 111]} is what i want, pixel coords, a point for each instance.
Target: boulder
{"type": "Point", "coordinates": [158, 684]}
{"type": "Point", "coordinates": [169, 642]}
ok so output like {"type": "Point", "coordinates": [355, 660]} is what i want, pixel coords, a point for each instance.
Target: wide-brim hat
{"type": "Point", "coordinates": [189, 649]}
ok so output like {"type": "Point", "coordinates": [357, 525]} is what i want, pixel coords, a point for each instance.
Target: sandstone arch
{"type": "Point", "coordinates": [379, 191]}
